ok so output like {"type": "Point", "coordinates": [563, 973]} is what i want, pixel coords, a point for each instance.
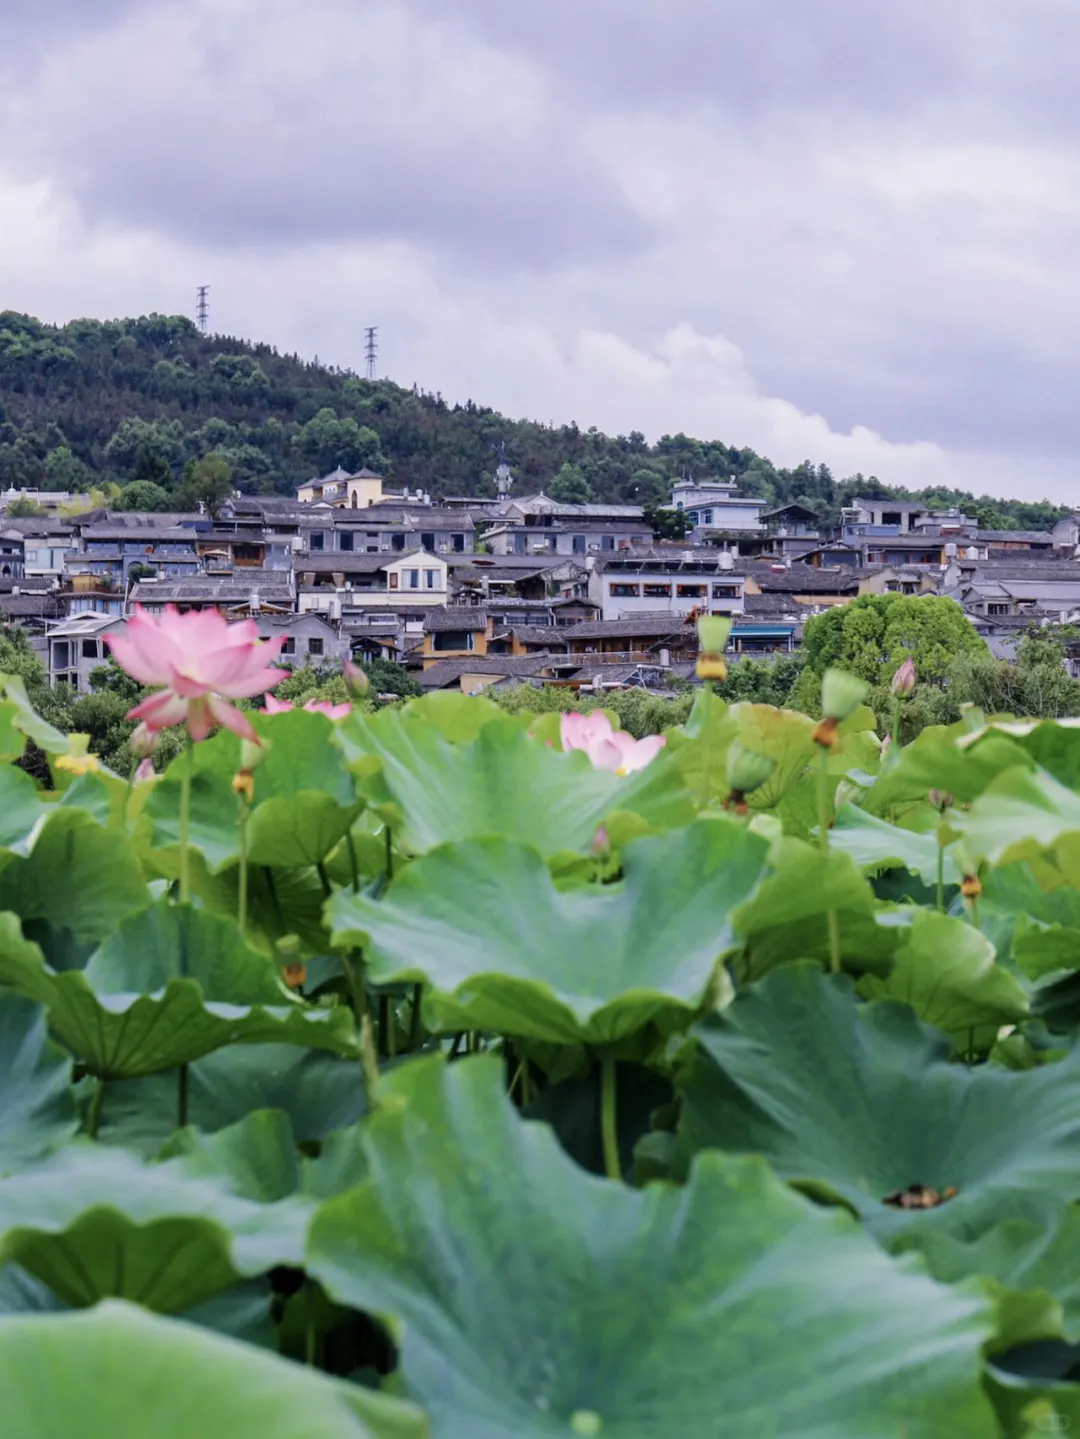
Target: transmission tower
{"type": "Point", "coordinates": [371, 349]}
{"type": "Point", "coordinates": [202, 308]}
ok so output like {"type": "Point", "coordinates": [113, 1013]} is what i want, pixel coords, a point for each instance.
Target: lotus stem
{"type": "Point", "coordinates": [185, 821]}
{"type": "Point", "coordinates": [353, 863]}
{"type": "Point", "coordinates": [242, 896]}
{"type": "Point", "coordinates": [414, 1023]}
{"type": "Point", "coordinates": [824, 823]}
{"type": "Point", "coordinates": [93, 1119]}
{"type": "Point", "coordinates": [182, 1098]}
{"type": "Point", "coordinates": [940, 876]}
{"type": "Point", "coordinates": [705, 766]}
{"type": "Point", "coordinates": [609, 1132]}
{"type": "Point", "coordinates": [389, 852]}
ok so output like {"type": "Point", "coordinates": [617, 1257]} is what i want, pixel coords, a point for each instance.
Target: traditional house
{"type": "Point", "coordinates": [658, 583]}
{"type": "Point", "coordinates": [77, 647]}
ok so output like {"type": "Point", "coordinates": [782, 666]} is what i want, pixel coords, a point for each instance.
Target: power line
{"type": "Point", "coordinates": [202, 308]}
{"type": "Point", "coordinates": [371, 349]}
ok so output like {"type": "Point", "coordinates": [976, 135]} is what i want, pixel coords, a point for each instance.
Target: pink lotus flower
{"type": "Point", "coordinates": [316, 707]}
{"type": "Point", "coordinates": [145, 771]}
{"type": "Point", "coordinates": [202, 661]}
{"type": "Point", "coordinates": [611, 749]}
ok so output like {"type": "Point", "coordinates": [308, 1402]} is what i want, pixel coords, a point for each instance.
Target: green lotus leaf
{"type": "Point", "coordinates": [21, 809]}
{"type": "Point", "coordinates": [305, 800]}
{"type": "Point", "coordinates": [874, 845]}
{"type": "Point", "coordinates": [242, 1312]}
{"type": "Point", "coordinates": [77, 875]}
{"type": "Point", "coordinates": [858, 1102]}
{"type": "Point", "coordinates": [21, 715]}
{"type": "Point", "coordinates": [502, 948]}
{"type": "Point", "coordinates": [1043, 949]}
{"type": "Point", "coordinates": [93, 1222]}
{"type": "Point", "coordinates": [1021, 813]}
{"type": "Point", "coordinates": [1053, 744]}
{"type": "Point", "coordinates": [938, 759]}
{"type": "Point", "coordinates": [172, 984]}
{"type": "Point", "coordinates": [280, 902]}
{"type": "Point", "coordinates": [532, 1299]}
{"type": "Point", "coordinates": [37, 1110]}
{"type": "Point", "coordinates": [503, 783]}
{"type": "Point", "coordinates": [319, 1092]}
{"type": "Point", "coordinates": [1033, 1269]}
{"type": "Point", "coordinates": [457, 717]}
{"type": "Point", "coordinates": [946, 971]}
{"type": "Point", "coordinates": [99, 1373]}
{"type": "Point", "coordinates": [787, 919]}
{"type": "Point", "coordinates": [12, 738]}
{"type": "Point", "coordinates": [213, 829]}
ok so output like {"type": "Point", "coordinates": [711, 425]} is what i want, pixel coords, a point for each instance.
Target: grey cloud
{"type": "Point", "coordinates": [246, 130]}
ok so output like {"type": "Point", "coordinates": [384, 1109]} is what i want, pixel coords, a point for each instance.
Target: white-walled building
{"type": "Point", "coordinates": [717, 505]}
{"type": "Point", "coordinates": [628, 586]}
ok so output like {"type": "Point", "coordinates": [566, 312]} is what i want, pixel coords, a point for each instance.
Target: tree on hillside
{"type": "Point", "coordinates": [206, 482]}
{"type": "Point", "coordinates": [327, 441]}
{"type": "Point", "coordinates": [570, 487]}
{"type": "Point", "coordinates": [143, 495]}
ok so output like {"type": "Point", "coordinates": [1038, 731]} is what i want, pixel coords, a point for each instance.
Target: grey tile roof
{"type": "Point", "coordinates": [212, 591]}
{"type": "Point", "coordinates": [448, 672]}
{"type": "Point", "coordinates": [646, 628]}
{"type": "Point", "coordinates": [455, 617]}
{"type": "Point", "coordinates": [342, 562]}
{"type": "Point", "coordinates": [806, 579]}
{"type": "Point", "coordinates": [1041, 537]}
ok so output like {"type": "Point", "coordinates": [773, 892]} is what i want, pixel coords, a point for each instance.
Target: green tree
{"type": "Point", "coordinates": [207, 482]}
{"type": "Point", "coordinates": [327, 441]}
{"type": "Point", "coordinates": [144, 495]}
{"type": "Point", "coordinates": [667, 524]}
{"type": "Point", "coordinates": [873, 635]}
{"type": "Point", "coordinates": [570, 487]}
{"type": "Point", "coordinates": [134, 439]}
{"type": "Point", "coordinates": [26, 509]}
{"type": "Point", "coordinates": [65, 471]}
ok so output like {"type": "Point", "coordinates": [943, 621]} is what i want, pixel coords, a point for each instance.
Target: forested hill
{"type": "Point", "coordinates": [94, 402]}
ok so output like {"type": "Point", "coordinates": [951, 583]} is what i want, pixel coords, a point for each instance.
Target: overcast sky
{"type": "Point", "coordinates": [844, 231]}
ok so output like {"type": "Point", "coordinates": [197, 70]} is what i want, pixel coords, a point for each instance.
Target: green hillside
{"type": "Point", "coordinates": [119, 401]}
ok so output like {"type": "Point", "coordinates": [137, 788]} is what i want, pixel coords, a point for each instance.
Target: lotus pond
{"type": "Point", "coordinates": [434, 1080]}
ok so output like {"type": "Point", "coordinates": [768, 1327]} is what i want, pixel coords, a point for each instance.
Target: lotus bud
{"type": "Point", "coordinates": [940, 799]}
{"type": "Point", "coordinates": [841, 694]}
{"type": "Point", "coordinates": [713, 632]}
{"type": "Point", "coordinates": [143, 741]}
{"type": "Point", "coordinates": [601, 845]}
{"type": "Point", "coordinates": [145, 770]}
{"type": "Point", "coordinates": [971, 886]}
{"type": "Point", "coordinates": [244, 784]}
{"type": "Point", "coordinates": [905, 679]}
{"type": "Point", "coordinates": [252, 753]}
{"type": "Point", "coordinates": [356, 681]}
{"type": "Point", "coordinates": [746, 769]}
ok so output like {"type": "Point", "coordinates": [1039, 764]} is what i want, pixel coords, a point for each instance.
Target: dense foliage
{"type": "Point", "coordinates": [448, 1082]}
{"type": "Point", "coordinates": [135, 402]}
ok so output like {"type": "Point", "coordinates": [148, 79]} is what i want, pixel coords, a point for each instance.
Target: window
{"type": "Point", "coordinates": [89, 649]}
{"type": "Point", "coordinates": [457, 544]}
{"type": "Point", "coordinates": [657, 592]}
{"type": "Point", "coordinates": [427, 541]}
{"type": "Point", "coordinates": [690, 592]}
{"type": "Point", "coordinates": [315, 645]}
{"type": "Point", "coordinates": [315, 540]}
{"type": "Point", "coordinates": [452, 640]}
{"type": "Point", "coordinates": [431, 579]}
{"type": "Point", "coordinates": [607, 542]}
{"type": "Point", "coordinates": [393, 578]}
{"type": "Point", "coordinates": [60, 654]}
{"type": "Point", "coordinates": [345, 540]}
{"type": "Point", "coordinates": [289, 647]}
{"type": "Point", "coordinates": [414, 579]}
{"type": "Point", "coordinates": [725, 592]}
{"type": "Point", "coordinates": [579, 544]}
{"type": "Point", "coordinates": [623, 591]}
{"type": "Point", "coordinates": [993, 609]}
{"type": "Point", "coordinates": [355, 502]}
{"type": "Point", "coordinates": [397, 542]}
